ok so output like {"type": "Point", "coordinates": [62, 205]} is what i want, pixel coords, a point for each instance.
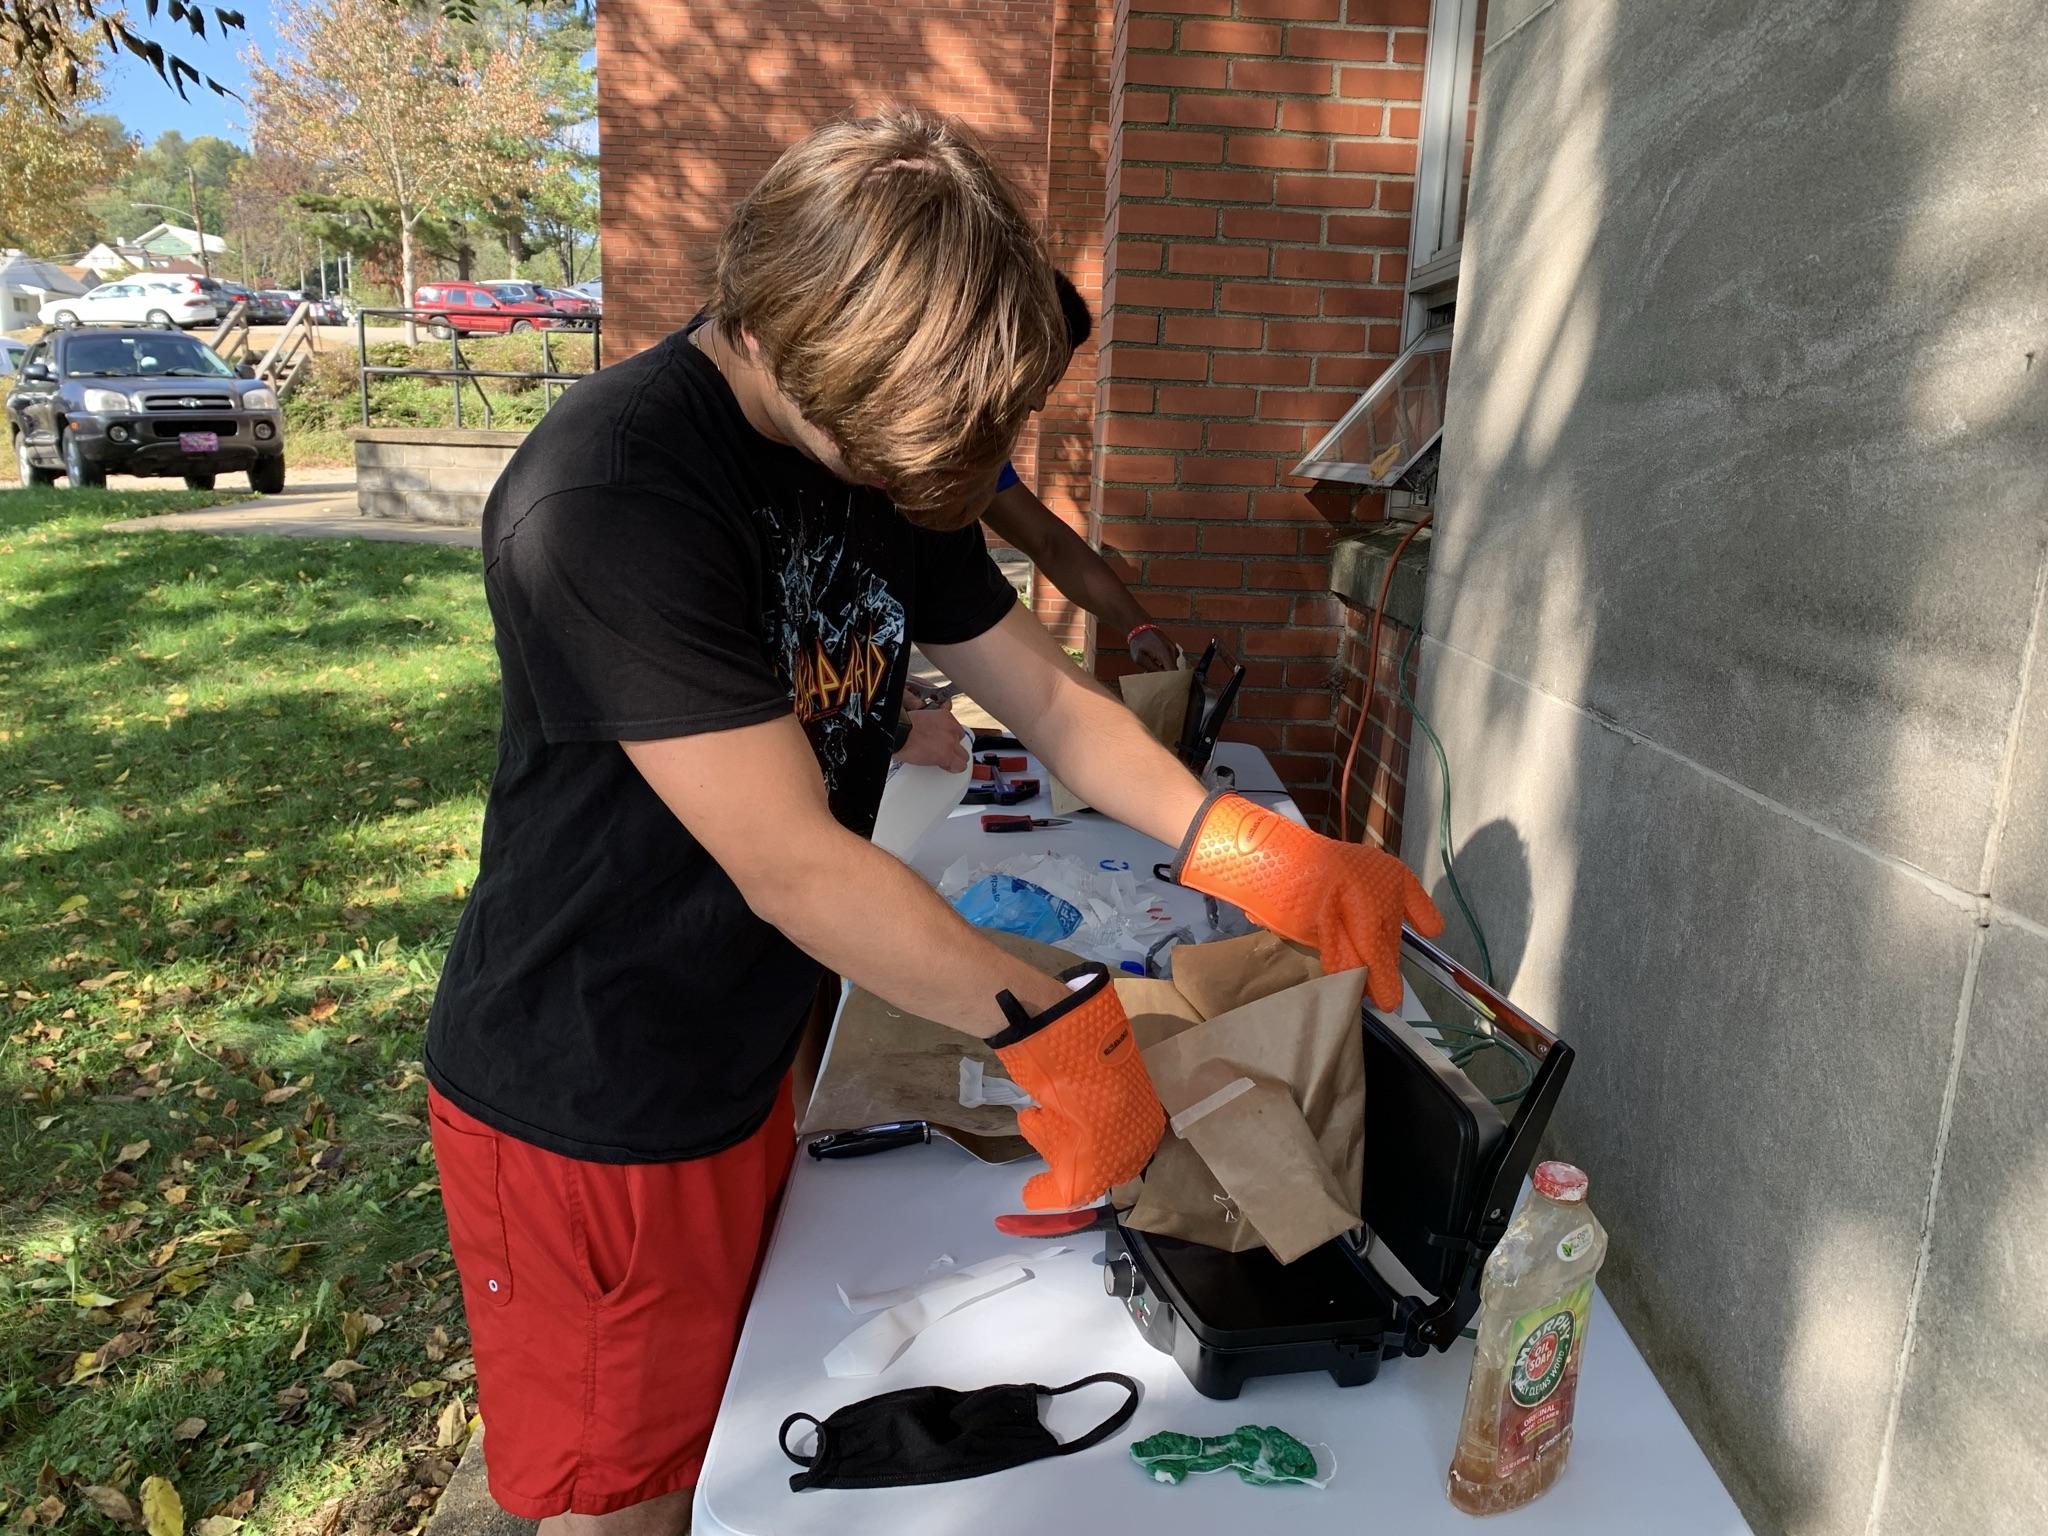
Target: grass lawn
{"type": "Point", "coordinates": [241, 783]}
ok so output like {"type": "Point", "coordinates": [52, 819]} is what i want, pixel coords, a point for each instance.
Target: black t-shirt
{"type": "Point", "coordinates": [657, 568]}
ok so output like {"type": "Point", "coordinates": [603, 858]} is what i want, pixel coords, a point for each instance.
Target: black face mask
{"type": "Point", "coordinates": [937, 1435]}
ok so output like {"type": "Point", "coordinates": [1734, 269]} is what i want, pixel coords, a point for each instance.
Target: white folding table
{"type": "Point", "coordinates": [879, 1222]}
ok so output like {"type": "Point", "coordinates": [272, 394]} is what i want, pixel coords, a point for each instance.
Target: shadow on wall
{"type": "Point", "coordinates": [1734, 574]}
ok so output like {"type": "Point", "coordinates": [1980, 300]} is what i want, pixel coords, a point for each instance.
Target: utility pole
{"type": "Point", "coordinates": [320, 241]}
{"type": "Point", "coordinates": [199, 229]}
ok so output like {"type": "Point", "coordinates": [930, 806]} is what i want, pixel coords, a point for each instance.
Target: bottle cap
{"type": "Point", "coordinates": [1560, 1181]}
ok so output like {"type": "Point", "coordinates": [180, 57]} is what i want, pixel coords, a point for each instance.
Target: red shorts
{"type": "Point", "coordinates": [604, 1304]}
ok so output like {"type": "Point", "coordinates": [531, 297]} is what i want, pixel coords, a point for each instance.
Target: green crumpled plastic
{"type": "Point", "coordinates": [1260, 1456]}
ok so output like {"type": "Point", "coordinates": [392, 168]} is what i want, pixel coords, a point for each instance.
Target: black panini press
{"type": "Point", "coordinates": [1443, 1169]}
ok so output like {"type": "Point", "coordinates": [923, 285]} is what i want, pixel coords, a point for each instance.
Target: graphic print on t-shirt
{"type": "Point", "coordinates": [837, 636]}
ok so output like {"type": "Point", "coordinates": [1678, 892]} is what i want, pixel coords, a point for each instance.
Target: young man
{"type": "Point", "coordinates": [704, 599]}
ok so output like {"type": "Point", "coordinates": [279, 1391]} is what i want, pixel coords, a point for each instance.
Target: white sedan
{"type": "Point", "coordinates": [130, 302]}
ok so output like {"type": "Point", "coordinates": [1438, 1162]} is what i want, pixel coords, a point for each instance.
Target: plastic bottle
{"type": "Point", "coordinates": [1535, 1299]}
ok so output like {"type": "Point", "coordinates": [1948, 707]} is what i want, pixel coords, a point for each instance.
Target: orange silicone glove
{"type": "Point", "coordinates": [1097, 1119]}
{"type": "Point", "coordinates": [1346, 899]}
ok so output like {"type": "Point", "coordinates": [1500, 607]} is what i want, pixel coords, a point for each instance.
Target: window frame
{"type": "Point", "coordinates": [1432, 263]}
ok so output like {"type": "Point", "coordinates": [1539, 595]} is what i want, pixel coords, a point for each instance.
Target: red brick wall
{"type": "Point", "coordinates": [1262, 155]}
{"type": "Point", "coordinates": [695, 101]}
{"type": "Point", "coordinates": [1379, 772]}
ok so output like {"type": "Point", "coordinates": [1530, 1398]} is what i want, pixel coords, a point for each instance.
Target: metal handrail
{"type": "Point", "coordinates": [459, 372]}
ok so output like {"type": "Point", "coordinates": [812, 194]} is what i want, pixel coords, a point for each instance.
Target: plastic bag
{"type": "Point", "coordinates": [1119, 915]}
{"type": "Point", "coordinates": [1019, 907]}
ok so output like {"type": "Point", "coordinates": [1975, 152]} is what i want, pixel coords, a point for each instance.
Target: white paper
{"type": "Point", "coordinates": [917, 798]}
{"type": "Point", "coordinates": [939, 1273]}
{"type": "Point", "coordinates": [872, 1347]}
{"type": "Point", "coordinates": [979, 1086]}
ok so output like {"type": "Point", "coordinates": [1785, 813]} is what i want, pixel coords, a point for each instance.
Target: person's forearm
{"type": "Point", "coordinates": [1065, 558]}
{"type": "Point", "coordinates": [1104, 754]}
{"type": "Point", "coordinates": [868, 916]}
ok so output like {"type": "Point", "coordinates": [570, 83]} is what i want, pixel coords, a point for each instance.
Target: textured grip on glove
{"type": "Point", "coordinates": [1346, 899]}
{"type": "Point", "coordinates": [1098, 1119]}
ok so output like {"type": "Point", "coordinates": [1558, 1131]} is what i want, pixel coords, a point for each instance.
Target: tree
{"type": "Point", "coordinates": [56, 163]}
{"type": "Point", "coordinates": [49, 45]}
{"type": "Point", "coordinates": [158, 175]}
{"type": "Point", "coordinates": [392, 110]}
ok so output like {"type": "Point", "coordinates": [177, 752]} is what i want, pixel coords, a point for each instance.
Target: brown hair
{"type": "Point", "coordinates": [900, 297]}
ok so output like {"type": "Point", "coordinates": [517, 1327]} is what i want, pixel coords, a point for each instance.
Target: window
{"type": "Point", "coordinates": [23, 305]}
{"type": "Point", "coordinates": [1388, 439]}
{"type": "Point", "coordinates": [1384, 438]}
{"type": "Point", "coordinates": [1443, 161]}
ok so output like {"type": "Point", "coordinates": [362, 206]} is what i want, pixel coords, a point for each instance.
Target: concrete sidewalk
{"type": "Point", "coordinates": [324, 507]}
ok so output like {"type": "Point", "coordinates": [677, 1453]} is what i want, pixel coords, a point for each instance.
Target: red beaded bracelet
{"type": "Point", "coordinates": [1139, 629]}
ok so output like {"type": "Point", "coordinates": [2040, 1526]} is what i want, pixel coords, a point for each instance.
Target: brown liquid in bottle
{"type": "Point", "coordinates": [1535, 1297]}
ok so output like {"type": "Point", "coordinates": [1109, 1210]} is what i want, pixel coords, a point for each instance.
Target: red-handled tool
{"type": "Point", "coordinates": [991, 823]}
{"type": "Point", "coordinates": [1056, 1223]}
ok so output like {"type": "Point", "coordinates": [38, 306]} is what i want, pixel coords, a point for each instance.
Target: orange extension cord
{"type": "Point", "coordinates": [1372, 679]}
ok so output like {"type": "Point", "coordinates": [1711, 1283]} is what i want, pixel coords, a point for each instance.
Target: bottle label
{"type": "Point", "coordinates": [1543, 1380]}
{"type": "Point", "coordinates": [1575, 1242]}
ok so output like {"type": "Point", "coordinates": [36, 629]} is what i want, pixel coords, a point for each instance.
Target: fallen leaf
{"type": "Point", "coordinates": [121, 1231]}
{"type": "Point", "coordinates": [299, 1348]}
{"type": "Point", "coordinates": [133, 1152]}
{"type": "Point", "coordinates": [341, 1368]}
{"type": "Point", "coordinates": [344, 1392]}
{"type": "Point", "coordinates": [189, 1429]}
{"type": "Point", "coordinates": [240, 1504]}
{"type": "Point", "coordinates": [186, 1278]}
{"type": "Point", "coordinates": [288, 1260]}
{"type": "Point", "coordinates": [451, 1424]}
{"type": "Point", "coordinates": [135, 1304]}
{"type": "Point", "coordinates": [279, 1095]}
{"type": "Point", "coordinates": [163, 1512]}
{"type": "Point", "coordinates": [112, 1503]}
{"type": "Point", "coordinates": [243, 1302]}
{"type": "Point", "coordinates": [217, 1525]}
{"type": "Point", "coordinates": [323, 1008]}
{"type": "Point", "coordinates": [175, 1195]}
{"type": "Point", "coordinates": [461, 1370]}
{"type": "Point", "coordinates": [51, 1510]}
{"type": "Point", "coordinates": [90, 1299]}
{"type": "Point", "coordinates": [437, 1345]}
{"type": "Point", "coordinates": [92, 1361]}
{"type": "Point", "coordinates": [424, 1389]}
{"type": "Point", "coordinates": [358, 1326]}
{"type": "Point", "coordinates": [72, 903]}
{"type": "Point", "coordinates": [259, 1143]}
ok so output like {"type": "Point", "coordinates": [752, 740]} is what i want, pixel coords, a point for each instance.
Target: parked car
{"type": "Point", "coordinates": [581, 308]}
{"type": "Point", "coordinates": [138, 401]}
{"type": "Point", "coordinates": [275, 306]}
{"type": "Point", "coordinates": [11, 354]}
{"type": "Point", "coordinates": [187, 282]}
{"type": "Point", "coordinates": [466, 309]}
{"type": "Point", "coordinates": [130, 301]}
{"type": "Point", "coordinates": [594, 289]}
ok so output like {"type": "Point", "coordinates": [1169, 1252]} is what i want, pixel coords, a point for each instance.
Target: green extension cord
{"type": "Point", "coordinates": [1461, 1042]}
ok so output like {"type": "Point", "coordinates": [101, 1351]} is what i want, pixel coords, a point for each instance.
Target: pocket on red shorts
{"type": "Point", "coordinates": [468, 1164]}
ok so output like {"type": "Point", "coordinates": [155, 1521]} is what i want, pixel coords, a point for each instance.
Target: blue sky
{"type": "Point", "coordinates": [135, 95]}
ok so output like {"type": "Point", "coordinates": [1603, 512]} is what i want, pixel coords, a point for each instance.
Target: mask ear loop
{"type": "Point", "coordinates": [1108, 1426]}
{"type": "Point", "coordinates": [783, 1439]}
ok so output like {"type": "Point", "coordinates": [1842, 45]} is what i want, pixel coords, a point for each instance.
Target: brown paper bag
{"type": "Point", "coordinates": [1268, 1169]}
{"type": "Point", "coordinates": [885, 1064]}
{"type": "Point", "coordinates": [1228, 973]}
{"type": "Point", "coordinates": [1159, 699]}
{"type": "Point", "coordinates": [1259, 1148]}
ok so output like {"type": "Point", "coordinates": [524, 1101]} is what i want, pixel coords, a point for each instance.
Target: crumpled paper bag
{"type": "Point", "coordinates": [1267, 1097]}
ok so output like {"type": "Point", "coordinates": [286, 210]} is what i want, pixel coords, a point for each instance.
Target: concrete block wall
{"type": "Point", "coordinates": [430, 475]}
{"type": "Point", "coordinates": [1734, 635]}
